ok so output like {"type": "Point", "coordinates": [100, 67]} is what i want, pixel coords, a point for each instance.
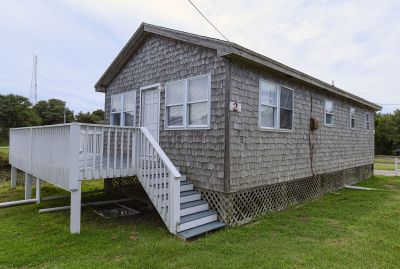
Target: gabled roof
{"type": "Point", "coordinates": [223, 48]}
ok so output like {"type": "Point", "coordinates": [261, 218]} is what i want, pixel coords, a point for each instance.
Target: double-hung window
{"type": "Point", "coordinates": [276, 106]}
{"type": "Point", "coordinates": [352, 118]}
{"type": "Point", "coordinates": [367, 121]}
{"type": "Point", "coordinates": [329, 113]}
{"type": "Point", "coordinates": [187, 103]}
{"type": "Point", "coordinates": [123, 109]}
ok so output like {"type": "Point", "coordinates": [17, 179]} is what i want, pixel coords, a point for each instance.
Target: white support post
{"type": "Point", "coordinates": [28, 186]}
{"type": "Point", "coordinates": [13, 177]}
{"type": "Point", "coordinates": [75, 212]}
{"type": "Point", "coordinates": [174, 202]}
{"type": "Point", "coordinates": [38, 190]}
{"type": "Point", "coordinates": [396, 171]}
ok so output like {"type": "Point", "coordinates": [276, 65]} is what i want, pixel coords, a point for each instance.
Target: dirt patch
{"type": "Point", "coordinates": [304, 219]}
{"type": "Point", "coordinates": [392, 187]}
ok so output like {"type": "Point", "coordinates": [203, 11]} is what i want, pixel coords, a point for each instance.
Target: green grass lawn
{"type": "Point", "coordinates": [385, 163]}
{"type": "Point", "coordinates": [4, 152]}
{"type": "Point", "coordinates": [3, 156]}
{"type": "Point", "coordinates": [349, 229]}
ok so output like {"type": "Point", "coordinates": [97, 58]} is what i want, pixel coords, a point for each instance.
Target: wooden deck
{"type": "Point", "coordinates": [66, 154]}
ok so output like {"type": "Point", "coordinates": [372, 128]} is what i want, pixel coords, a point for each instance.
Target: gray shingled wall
{"type": "Point", "coordinates": [259, 157]}
{"type": "Point", "coordinates": [198, 153]}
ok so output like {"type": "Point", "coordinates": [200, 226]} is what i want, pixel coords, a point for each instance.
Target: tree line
{"type": "Point", "coordinates": [18, 111]}
{"type": "Point", "coordinates": [387, 132]}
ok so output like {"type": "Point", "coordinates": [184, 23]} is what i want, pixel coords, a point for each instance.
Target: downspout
{"type": "Point", "coordinates": [311, 145]}
{"type": "Point", "coordinates": [227, 163]}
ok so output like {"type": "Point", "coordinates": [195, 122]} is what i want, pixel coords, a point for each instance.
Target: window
{"type": "Point", "coordinates": [352, 118]}
{"type": "Point", "coordinates": [123, 109]}
{"type": "Point", "coordinates": [276, 106]}
{"type": "Point", "coordinates": [187, 103]}
{"type": "Point", "coordinates": [367, 121]}
{"type": "Point", "coordinates": [328, 112]}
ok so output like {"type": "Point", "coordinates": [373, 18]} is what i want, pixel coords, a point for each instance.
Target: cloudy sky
{"type": "Point", "coordinates": [354, 43]}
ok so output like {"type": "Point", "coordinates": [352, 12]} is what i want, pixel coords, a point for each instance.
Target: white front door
{"type": "Point", "coordinates": [151, 111]}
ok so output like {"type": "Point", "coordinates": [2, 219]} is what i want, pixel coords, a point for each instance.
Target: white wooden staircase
{"type": "Point", "coordinates": [66, 154]}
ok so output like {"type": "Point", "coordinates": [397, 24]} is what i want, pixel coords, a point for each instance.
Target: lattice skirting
{"type": "Point", "coordinates": [241, 207]}
{"type": "Point", "coordinates": [126, 186]}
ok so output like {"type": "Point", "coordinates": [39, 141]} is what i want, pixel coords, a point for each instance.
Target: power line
{"type": "Point", "coordinates": [208, 20]}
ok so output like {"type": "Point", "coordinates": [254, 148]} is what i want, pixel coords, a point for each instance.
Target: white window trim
{"type": "Point", "coordinates": [368, 122]}
{"type": "Point", "coordinates": [185, 105]}
{"type": "Point", "coordinates": [122, 116]}
{"type": "Point", "coordinates": [276, 128]}
{"type": "Point", "coordinates": [333, 114]}
{"type": "Point", "coordinates": [352, 108]}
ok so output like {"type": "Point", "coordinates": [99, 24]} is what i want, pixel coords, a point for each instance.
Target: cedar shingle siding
{"type": "Point", "coordinates": [198, 153]}
{"type": "Point", "coordinates": [267, 157]}
{"type": "Point", "coordinates": [256, 157]}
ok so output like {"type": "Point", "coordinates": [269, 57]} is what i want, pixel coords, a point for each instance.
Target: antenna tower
{"type": "Point", "coordinates": [33, 91]}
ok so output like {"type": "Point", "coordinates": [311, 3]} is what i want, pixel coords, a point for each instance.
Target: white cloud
{"type": "Point", "coordinates": [354, 43]}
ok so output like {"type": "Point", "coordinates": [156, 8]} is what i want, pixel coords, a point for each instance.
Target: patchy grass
{"type": "Point", "coordinates": [3, 156]}
{"type": "Point", "coordinates": [383, 162]}
{"type": "Point", "coordinates": [352, 229]}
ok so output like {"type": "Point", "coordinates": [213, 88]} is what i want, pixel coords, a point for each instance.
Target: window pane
{"type": "Point", "coordinates": [352, 113]}
{"type": "Point", "coordinates": [353, 123]}
{"type": "Point", "coordinates": [116, 103]}
{"type": "Point", "coordinates": [175, 116]}
{"type": "Point", "coordinates": [198, 114]}
{"type": "Point", "coordinates": [286, 98]}
{"type": "Point", "coordinates": [129, 119]}
{"type": "Point", "coordinates": [328, 119]}
{"type": "Point", "coordinates": [268, 93]}
{"type": "Point", "coordinates": [328, 107]}
{"type": "Point", "coordinates": [174, 93]}
{"type": "Point", "coordinates": [116, 119]}
{"type": "Point", "coordinates": [129, 101]}
{"type": "Point", "coordinates": [285, 119]}
{"type": "Point", "coordinates": [268, 116]}
{"type": "Point", "coordinates": [198, 89]}
{"type": "Point", "coordinates": [367, 125]}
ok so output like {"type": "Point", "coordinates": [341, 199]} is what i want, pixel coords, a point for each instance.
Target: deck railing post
{"type": "Point", "coordinates": [38, 190]}
{"type": "Point", "coordinates": [73, 156]}
{"type": "Point", "coordinates": [13, 177]}
{"type": "Point", "coordinates": [174, 202]}
{"type": "Point", "coordinates": [75, 211]}
{"type": "Point", "coordinates": [28, 186]}
{"type": "Point", "coordinates": [74, 183]}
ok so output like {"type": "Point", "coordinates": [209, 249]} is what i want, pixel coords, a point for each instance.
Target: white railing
{"type": "Point", "coordinates": [67, 153]}
{"type": "Point", "coordinates": [159, 177]}
{"type": "Point", "coordinates": [45, 152]}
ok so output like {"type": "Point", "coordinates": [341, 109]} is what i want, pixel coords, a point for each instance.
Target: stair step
{"type": "Point", "coordinates": [201, 229]}
{"type": "Point", "coordinates": [193, 207]}
{"type": "Point", "coordinates": [196, 219]}
{"type": "Point", "coordinates": [186, 186]}
{"type": "Point", "coordinates": [188, 196]}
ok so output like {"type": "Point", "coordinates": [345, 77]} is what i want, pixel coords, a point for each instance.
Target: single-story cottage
{"type": "Point", "coordinates": [242, 134]}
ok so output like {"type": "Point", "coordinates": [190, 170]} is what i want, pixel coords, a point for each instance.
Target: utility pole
{"type": "Point", "coordinates": [33, 90]}
{"type": "Point", "coordinates": [65, 113]}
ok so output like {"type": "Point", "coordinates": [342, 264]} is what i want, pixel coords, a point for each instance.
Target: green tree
{"type": "Point", "coordinates": [52, 111]}
{"type": "Point", "coordinates": [99, 113]}
{"type": "Point", "coordinates": [87, 118]}
{"type": "Point", "coordinates": [15, 111]}
{"type": "Point", "coordinates": [387, 132]}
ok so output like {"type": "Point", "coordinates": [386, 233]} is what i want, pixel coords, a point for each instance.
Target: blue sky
{"type": "Point", "coordinates": [354, 43]}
